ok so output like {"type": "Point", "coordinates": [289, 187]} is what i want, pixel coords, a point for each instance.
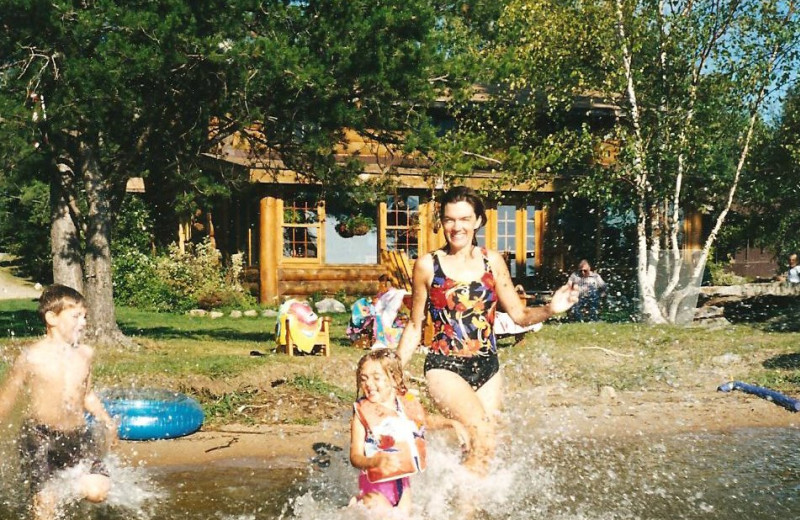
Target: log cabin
{"type": "Point", "coordinates": [297, 244]}
{"type": "Point", "coordinates": [295, 247]}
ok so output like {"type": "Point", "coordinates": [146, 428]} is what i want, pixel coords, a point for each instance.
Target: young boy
{"type": "Point", "coordinates": [54, 374]}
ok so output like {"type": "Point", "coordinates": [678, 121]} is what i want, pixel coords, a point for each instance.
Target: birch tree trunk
{"type": "Point", "coordinates": [645, 271]}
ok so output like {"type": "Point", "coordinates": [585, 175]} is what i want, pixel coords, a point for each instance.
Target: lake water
{"type": "Point", "coordinates": [747, 473]}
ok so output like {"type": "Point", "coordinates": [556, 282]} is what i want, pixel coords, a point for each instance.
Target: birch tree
{"type": "Point", "coordinates": [737, 50]}
{"type": "Point", "coordinates": [690, 79]}
{"type": "Point", "coordinates": [769, 209]}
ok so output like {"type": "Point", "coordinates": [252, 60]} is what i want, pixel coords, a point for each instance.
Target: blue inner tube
{"type": "Point", "coordinates": [776, 397]}
{"type": "Point", "coordinates": [152, 413]}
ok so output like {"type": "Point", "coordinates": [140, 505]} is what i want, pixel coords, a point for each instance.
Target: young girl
{"type": "Point", "coordinates": [387, 432]}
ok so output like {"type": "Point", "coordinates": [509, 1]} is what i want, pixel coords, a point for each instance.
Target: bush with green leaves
{"type": "Point", "coordinates": [178, 281]}
{"type": "Point", "coordinates": [138, 283]}
{"type": "Point", "coordinates": [173, 281]}
{"type": "Point", "coordinates": [135, 278]}
{"type": "Point", "coordinates": [199, 274]}
{"type": "Point", "coordinates": [720, 274]}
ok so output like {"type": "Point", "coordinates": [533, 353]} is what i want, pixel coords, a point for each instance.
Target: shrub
{"type": "Point", "coordinates": [138, 284]}
{"type": "Point", "coordinates": [134, 272]}
{"type": "Point", "coordinates": [200, 275]}
{"type": "Point", "coordinates": [721, 276]}
{"type": "Point", "coordinates": [178, 281]}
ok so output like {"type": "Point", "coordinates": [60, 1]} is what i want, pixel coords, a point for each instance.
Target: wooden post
{"type": "Point", "coordinates": [520, 239]}
{"type": "Point", "coordinates": [381, 229]}
{"type": "Point", "coordinates": [321, 216]}
{"type": "Point", "coordinates": [211, 237]}
{"type": "Point", "coordinates": [184, 234]}
{"type": "Point", "coordinates": [538, 233]}
{"type": "Point", "coordinates": [181, 238]}
{"type": "Point", "coordinates": [267, 266]}
{"type": "Point", "coordinates": [491, 228]}
{"type": "Point", "coordinates": [434, 238]}
{"type": "Point", "coordinates": [424, 227]}
{"type": "Point", "coordinates": [249, 247]}
{"type": "Point", "coordinates": [692, 230]}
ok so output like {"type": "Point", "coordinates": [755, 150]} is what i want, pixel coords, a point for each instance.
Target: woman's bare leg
{"type": "Point", "coordinates": [475, 410]}
{"type": "Point", "coordinates": [44, 505]}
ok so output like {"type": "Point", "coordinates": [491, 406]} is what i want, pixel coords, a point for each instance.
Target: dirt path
{"type": "Point", "coordinates": [13, 287]}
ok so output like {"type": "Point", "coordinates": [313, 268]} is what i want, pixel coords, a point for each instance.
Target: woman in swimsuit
{"type": "Point", "coordinates": [461, 285]}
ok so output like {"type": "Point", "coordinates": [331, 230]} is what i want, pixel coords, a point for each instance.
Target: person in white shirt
{"type": "Point", "coordinates": [793, 275]}
{"type": "Point", "coordinates": [591, 287]}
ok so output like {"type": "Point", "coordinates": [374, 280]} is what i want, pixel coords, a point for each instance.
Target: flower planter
{"type": "Point", "coordinates": [343, 230]}
{"type": "Point", "coordinates": [360, 229]}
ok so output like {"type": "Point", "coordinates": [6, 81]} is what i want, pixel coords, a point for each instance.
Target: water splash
{"type": "Point", "coordinates": [544, 470]}
{"type": "Point", "coordinates": [516, 483]}
{"type": "Point", "coordinates": [133, 494]}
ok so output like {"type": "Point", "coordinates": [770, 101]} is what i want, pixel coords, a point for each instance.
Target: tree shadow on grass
{"type": "Point", "coordinates": [25, 322]}
{"type": "Point", "coordinates": [772, 313]}
{"type": "Point", "coordinates": [783, 362]}
{"type": "Point", "coordinates": [221, 334]}
{"type": "Point", "coordinates": [21, 323]}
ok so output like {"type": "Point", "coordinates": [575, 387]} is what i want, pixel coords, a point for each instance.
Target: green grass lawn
{"type": "Point", "coordinates": [211, 358]}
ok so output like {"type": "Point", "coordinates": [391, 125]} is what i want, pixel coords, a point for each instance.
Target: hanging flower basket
{"type": "Point", "coordinates": [355, 225]}
{"type": "Point", "coordinates": [361, 228]}
{"type": "Point", "coordinates": [343, 230]}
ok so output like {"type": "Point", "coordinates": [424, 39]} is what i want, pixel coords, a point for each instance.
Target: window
{"type": "Point", "coordinates": [530, 241]}
{"type": "Point", "coordinates": [301, 229]}
{"type": "Point", "coordinates": [506, 236]}
{"type": "Point", "coordinates": [480, 236]}
{"type": "Point", "coordinates": [402, 224]}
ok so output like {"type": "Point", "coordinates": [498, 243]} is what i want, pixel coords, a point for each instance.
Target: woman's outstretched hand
{"type": "Point", "coordinates": [565, 297]}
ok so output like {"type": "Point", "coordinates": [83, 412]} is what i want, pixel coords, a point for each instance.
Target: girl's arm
{"type": "Point", "coordinates": [357, 435]}
{"type": "Point", "coordinates": [357, 457]}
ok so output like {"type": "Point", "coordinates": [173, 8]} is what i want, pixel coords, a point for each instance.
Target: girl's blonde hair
{"type": "Point", "coordinates": [390, 363]}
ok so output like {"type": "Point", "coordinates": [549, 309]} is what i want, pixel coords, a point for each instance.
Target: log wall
{"type": "Point", "coordinates": [353, 280]}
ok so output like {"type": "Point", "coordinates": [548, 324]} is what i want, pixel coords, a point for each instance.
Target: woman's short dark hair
{"type": "Point", "coordinates": [468, 195]}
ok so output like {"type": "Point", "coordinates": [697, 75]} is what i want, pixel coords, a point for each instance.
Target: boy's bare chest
{"type": "Point", "coordinates": [61, 372]}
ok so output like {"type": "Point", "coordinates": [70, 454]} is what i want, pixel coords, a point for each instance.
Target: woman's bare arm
{"type": "Point", "coordinates": [412, 333]}
{"type": "Point", "coordinates": [564, 298]}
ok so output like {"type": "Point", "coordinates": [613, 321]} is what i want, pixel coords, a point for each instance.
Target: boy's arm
{"type": "Point", "coordinates": [94, 406]}
{"type": "Point", "coordinates": [12, 387]}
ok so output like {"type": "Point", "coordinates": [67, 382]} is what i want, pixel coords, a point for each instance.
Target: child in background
{"type": "Point", "coordinates": [387, 433]}
{"type": "Point", "coordinates": [54, 374]}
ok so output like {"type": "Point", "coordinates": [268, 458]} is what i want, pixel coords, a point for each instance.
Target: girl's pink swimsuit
{"type": "Point", "coordinates": [392, 490]}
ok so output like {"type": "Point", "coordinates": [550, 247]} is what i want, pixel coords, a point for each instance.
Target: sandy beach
{"type": "Point", "coordinates": [558, 413]}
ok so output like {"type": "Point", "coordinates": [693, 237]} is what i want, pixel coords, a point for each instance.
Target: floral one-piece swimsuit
{"type": "Point", "coordinates": [463, 317]}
